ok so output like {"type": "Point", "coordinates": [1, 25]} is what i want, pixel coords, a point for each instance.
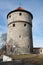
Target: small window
{"type": "Point", "coordinates": [19, 36]}
{"type": "Point", "coordinates": [40, 50]}
{"type": "Point", "coordinates": [13, 25]}
{"type": "Point", "coordinates": [20, 14]}
{"type": "Point", "coordinates": [24, 25]}
{"type": "Point", "coordinates": [28, 46]}
{"type": "Point", "coordinates": [9, 16]}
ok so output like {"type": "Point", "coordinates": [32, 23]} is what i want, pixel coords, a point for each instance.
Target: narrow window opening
{"type": "Point", "coordinates": [19, 36]}
{"type": "Point", "coordinates": [13, 25]}
{"type": "Point", "coordinates": [20, 14]}
{"type": "Point", "coordinates": [28, 46]}
{"type": "Point", "coordinates": [40, 50]}
{"type": "Point", "coordinates": [24, 25]}
{"type": "Point", "coordinates": [9, 16]}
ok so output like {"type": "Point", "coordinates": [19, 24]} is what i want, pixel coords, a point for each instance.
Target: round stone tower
{"type": "Point", "coordinates": [19, 37]}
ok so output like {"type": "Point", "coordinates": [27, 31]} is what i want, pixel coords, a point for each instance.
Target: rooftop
{"type": "Point", "coordinates": [19, 8]}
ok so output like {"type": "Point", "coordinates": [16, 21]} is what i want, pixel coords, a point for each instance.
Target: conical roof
{"type": "Point", "coordinates": [20, 8]}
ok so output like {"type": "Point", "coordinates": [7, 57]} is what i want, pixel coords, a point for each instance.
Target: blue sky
{"type": "Point", "coordinates": [34, 6]}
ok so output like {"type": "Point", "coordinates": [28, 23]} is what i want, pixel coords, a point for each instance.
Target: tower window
{"type": "Point", "coordinates": [20, 14]}
{"type": "Point", "coordinates": [19, 36]}
{"type": "Point", "coordinates": [13, 25]}
{"type": "Point", "coordinates": [9, 16]}
{"type": "Point", "coordinates": [28, 46]}
{"type": "Point", "coordinates": [24, 25]}
{"type": "Point", "coordinates": [40, 50]}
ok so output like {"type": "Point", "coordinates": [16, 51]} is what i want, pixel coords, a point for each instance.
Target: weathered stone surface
{"type": "Point", "coordinates": [20, 31]}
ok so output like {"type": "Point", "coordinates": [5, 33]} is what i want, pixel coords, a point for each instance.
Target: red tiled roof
{"type": "Point", "coordinates": [19, 8]}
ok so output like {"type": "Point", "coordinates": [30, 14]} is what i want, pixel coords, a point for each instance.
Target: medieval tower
{"type": "Point", "coordinates": [19, 37]}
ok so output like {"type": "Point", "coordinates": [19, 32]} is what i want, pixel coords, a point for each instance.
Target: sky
{"type": "Point", "coordinates": [33, 6]}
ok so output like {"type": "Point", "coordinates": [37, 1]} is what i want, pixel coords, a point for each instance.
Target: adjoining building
{"type": "Point", "coordinates": [38, 50]}
{"type": "Point", "coordinates": [19, 37]}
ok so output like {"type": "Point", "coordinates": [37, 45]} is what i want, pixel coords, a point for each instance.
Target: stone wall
{"type": "Point", "coordinates": [20, 31]}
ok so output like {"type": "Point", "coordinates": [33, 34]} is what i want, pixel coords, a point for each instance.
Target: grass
{"type": "Point", "coordinates": [29, 58]}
